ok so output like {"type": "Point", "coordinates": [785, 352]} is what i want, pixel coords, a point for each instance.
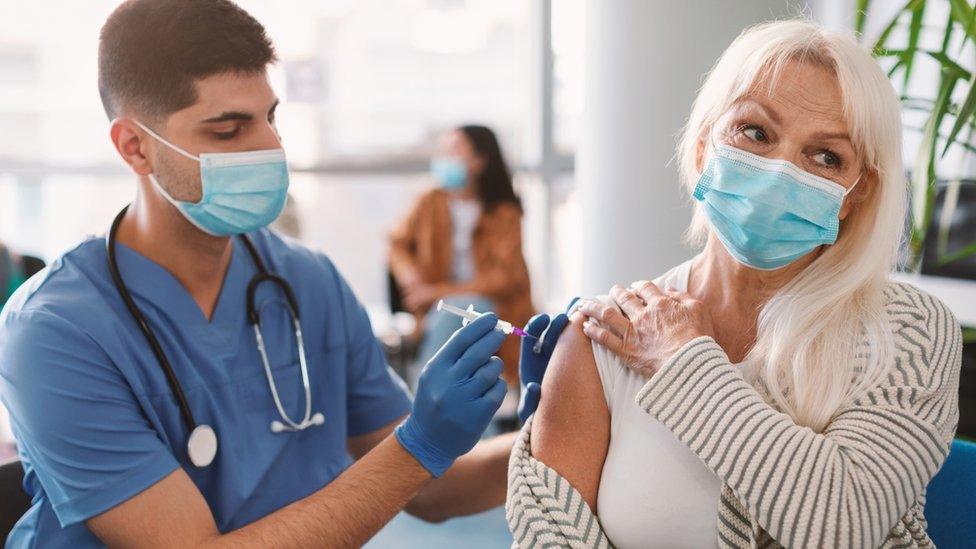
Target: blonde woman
{"type": "Point", "coordinates": [778, 388]}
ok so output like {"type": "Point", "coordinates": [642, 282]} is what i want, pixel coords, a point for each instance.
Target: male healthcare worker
{"type": "Point", "coordinates": [191, 379]}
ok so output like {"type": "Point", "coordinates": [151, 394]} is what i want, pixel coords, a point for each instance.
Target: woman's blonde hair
{"type": "Point", "coordinates": [809, 332]}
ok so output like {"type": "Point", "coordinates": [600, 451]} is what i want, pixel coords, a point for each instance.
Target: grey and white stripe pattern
{"type": "Point", "coordinates": [542, 508]}
{"type": "Point", "coordinates": [860, 483]}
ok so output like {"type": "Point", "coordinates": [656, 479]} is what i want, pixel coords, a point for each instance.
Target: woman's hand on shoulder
{"type": "Point", "coordinates": [653, 326]}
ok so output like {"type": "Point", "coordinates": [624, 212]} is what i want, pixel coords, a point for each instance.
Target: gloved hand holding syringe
{"type": "Point", "coordinates": [469, 314]}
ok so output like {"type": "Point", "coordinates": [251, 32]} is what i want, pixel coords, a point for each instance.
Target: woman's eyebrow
{"type": "Point", "coordinates": [832, 136]}
{"type": "Point", "coordinates": [751, 102]}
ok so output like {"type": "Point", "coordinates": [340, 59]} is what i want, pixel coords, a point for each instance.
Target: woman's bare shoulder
{"type": "Point", "coordinates": [571, 429]}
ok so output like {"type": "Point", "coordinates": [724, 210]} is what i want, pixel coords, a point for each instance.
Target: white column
{"type": "Point", "coordinates": [644, 63]}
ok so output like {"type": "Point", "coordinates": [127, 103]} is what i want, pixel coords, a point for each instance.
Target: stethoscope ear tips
{"type": "Point", "coordinates": [317, 419]}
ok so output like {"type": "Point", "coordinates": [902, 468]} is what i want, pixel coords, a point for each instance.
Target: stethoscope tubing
{"type": "Point", "coordinates": [255, 320]}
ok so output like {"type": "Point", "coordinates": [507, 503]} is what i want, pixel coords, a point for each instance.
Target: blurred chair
{"type": "Point", "coordinates": [393, 293]}
{"type": "Point", "coordinates": [31, 265]}
{"type": "Point", "coordinates": [950, 506]}
{"type": "Point", "coordinates": [13, 500]}
{"type": "Point", "coordinates": [401, 351]}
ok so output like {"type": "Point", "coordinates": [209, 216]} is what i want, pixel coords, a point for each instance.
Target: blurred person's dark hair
{"type": "Point", "coordinates": [494, 185]}
{"type": "Point", "coordinates": [151, 52]}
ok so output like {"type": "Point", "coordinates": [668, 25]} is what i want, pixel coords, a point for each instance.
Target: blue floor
{"type": "Point", "coordinates": [484, 530]}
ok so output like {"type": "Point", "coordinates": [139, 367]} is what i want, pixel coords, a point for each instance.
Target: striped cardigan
{"type": "Point", "coordinates": [859, 483]}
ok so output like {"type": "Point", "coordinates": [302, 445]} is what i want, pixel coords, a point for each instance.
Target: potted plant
{"type": "Point", "coordinates": [942, 173]}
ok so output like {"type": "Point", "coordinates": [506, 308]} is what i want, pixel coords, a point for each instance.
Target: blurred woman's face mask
{"type": "Point", "coordinates": [451, 172]}
{"type": "Point", "coordinates": [766, 212]}
{"type": "Point", "coordinates": [241, 191]}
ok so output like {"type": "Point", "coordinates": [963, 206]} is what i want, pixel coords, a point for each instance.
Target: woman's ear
{"type": "Point", "coordinates": [860, 193]}
{"type": "Point", "coordinates": [700, 155]}
{"type": "Point", "coordinates": [478, 164]}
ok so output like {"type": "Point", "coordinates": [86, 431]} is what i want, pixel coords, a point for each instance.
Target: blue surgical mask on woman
{"type": "Point", "coordinates": [451, 172]}
{"type": "Point", "coordinates": [241, 191]}
{"type": "Point", "coordinates": [766, 212]}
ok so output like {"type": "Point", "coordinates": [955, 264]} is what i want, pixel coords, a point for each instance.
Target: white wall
{"type": "Point", "coordinates": [644, 63]}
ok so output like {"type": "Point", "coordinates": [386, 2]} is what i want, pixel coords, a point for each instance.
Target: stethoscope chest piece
{"type": "Point", "coordinates": [202, 445]}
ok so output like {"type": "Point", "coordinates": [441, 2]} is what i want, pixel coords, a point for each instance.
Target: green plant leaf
{"type": "Point", "coordinates": [947, 35]}
{"type": "Point", "coordinates": [923, 173]}
{"type": "Point", "coordinates": [921, 129]}
{"type": "Point", "coordinates": [962, 12]}
{"type": "Point", "coordinates": [962, 116]}
{"type": "Point", "coordinates": [879, 45]}
{"type": "Point", "coordinates": [957, 255]}
{"type": "Point", "coordinates": [969, 29]}
{"type": "Point", "coordinates": [914, 30]}
{"type": "Point", "coordinates": [949, 64]}
{"type": "Point", "coordinates": [860, 16]}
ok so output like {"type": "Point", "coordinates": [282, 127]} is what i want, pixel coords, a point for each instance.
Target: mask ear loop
{"type": "Point", "coordinates": [848, 190]}
{"type": "Point", "coordinates": [165, 142]}
{"type": "Point", "coordinates": [152, 177]}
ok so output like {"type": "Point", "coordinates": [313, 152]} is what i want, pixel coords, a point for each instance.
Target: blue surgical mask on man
{"type": "Point", "coordinates": [241, 191]}
{"type": "Point", "coordinates": [767, 212]}
{"type": "Point", "coordinates": [451, 172]}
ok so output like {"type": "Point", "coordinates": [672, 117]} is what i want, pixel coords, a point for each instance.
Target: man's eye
{"type": "Point", "coordinates": [225, 135]}
{"type": "Point", "coordinates": [756, 134]}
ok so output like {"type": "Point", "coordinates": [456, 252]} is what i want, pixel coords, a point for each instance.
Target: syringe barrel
{"type": "Point", "coordinates": [504, 327]}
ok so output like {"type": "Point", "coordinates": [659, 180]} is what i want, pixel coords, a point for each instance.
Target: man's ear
{"type": "Point", "coordinates": [131, 143]}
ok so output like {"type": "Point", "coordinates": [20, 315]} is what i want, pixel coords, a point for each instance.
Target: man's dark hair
{"type": "Point", "coordinates": [152, 51]}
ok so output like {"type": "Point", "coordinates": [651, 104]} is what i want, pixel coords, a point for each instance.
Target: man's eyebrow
{"type": "Point", "coordinates": [230, 115]}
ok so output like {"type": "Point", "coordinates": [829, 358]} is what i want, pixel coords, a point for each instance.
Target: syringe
{"type": "Point", "coordinates": [469, 314]}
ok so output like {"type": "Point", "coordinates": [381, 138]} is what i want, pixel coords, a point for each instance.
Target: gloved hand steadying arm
{"type": "Point", "coordinates": [457, 395]}
{"type": "Point", "coordinates": [534, 357]}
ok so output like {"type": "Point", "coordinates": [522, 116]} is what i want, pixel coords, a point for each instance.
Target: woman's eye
{"type": "Point", "coordinates": [827, 158]}
{"type": "Point", "coordinates": [756, 134]}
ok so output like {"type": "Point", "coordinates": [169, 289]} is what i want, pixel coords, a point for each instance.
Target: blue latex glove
{"type": "Point", "coordinates": [532, 364]}
{"type": "Point", "coordinates": [457, 395]}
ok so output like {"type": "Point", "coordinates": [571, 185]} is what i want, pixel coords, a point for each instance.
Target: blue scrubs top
{"type": "Point", "coordinates": [96, 423]}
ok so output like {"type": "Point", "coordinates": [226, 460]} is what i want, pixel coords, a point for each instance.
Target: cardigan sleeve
{"type": "Point", "coordinates": [847, 486]}
{"type": "Point", "coordinates": [542, 508]}
{"type": "Point", "coordinates": [403, 241]}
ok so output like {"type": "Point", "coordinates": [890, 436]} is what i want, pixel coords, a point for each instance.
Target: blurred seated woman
{"type": "Point", "coordinates": [15, 269]}
{"type": "Point", "coordinates": [462, 242]}
{"type": "Point", "coordinates": [778, 389]}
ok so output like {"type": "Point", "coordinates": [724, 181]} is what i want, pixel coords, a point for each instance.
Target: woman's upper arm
{"type": "Point", "coordinates": [571, 429]}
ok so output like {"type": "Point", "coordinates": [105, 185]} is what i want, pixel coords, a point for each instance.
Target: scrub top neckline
{"type": "Point", "coordinates": [149, 281]}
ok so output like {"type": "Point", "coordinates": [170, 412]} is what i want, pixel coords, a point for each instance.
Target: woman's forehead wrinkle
{"type": "Point", "coordinates": [805, 96]}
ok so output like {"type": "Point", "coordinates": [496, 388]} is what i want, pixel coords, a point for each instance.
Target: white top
{"type": "Point", "coordinates": [654, 491]}
{"type": "Point", "coordinates": [464, 218]}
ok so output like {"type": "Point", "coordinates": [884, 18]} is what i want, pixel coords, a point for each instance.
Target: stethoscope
{"type": "Point", "coordinates": [201, 445]}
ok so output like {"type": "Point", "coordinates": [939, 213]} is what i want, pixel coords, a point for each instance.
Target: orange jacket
{"type": "Point", "coordinates": [421, 243]}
